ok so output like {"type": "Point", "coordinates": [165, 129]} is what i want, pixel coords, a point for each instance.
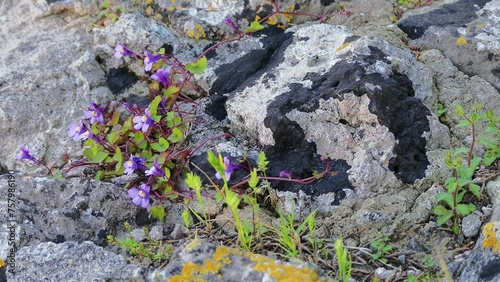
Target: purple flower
{"type": "Point", "coordinates": [94, 114]}
{"type": "Point", "coordinates": [133, 164]}
{"type": "Point", "coordinates": [122, 51]}
{"type": "Point", "coordinates": [149, 60]}
{"type": "Point", "coordinates": [285, 174]}
{"type": "Point", "coordinates": [162, 75]}
{"type": "Point", "coordinates": [155, 170]}
{"type": "Point", "coordinates": [140, 196]}
{"type": "Point", "coordinates": [228, 169]}
{"type": "Point", "coordinates": [77, 131]}
{"type": "Point", "coordinates": [143, 122]}
{"type": "Point", "coordinates": [128, 107]}
{"type": "Point", "coordinates": [25, 154]}
{"type": "Point", "coordinates": [230, 23]}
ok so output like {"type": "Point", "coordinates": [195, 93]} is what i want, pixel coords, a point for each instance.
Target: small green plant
{"type": "Point", "coordinates": [289, 236]}
{"type": "Point", "coordinates": [491, 142]}
{"type": "Point", "coordinates": [107, 12]}
{"type": "Point", "coordinates": [440, 112]}
{"type": "Point", "coordinates": [153, 249]}
{"type": "Point", "coordinates": [382, 248]}
{"type": "Point", "coordinates": [344, 261]}
{"type": "Point", "coordinates": [452, 207]}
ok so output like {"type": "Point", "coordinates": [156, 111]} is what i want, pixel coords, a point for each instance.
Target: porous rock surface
{"type": "Point", "coordinates": [72, 261]}
{"type": "Point", "coordinates": [72, 210]}
{"type": "Point", "coordinates": [360, 101]}
{"type": "Point", "coordinates": [474, 21]}
{"type": "Point", "coordinates": [203, 261]}
{"type": "Point", "coordinates": [350, 92]}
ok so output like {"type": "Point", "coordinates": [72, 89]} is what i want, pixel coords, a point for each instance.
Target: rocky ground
{"type": "Point", "coordinates": [362, 87]}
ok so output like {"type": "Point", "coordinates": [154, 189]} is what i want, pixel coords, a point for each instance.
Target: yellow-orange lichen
{"type": "Point", "coordinates": [343, 46]}
{"type": "Point", "coordinates": [492, 236]}
{"type": "Point", "coordinates": [282, 272]}
{"type": "Point", "coordinates": [222, 256]}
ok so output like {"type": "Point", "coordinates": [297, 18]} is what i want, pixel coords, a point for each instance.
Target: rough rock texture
{"type": "Point", "coordinates": [203, 261]}
{"type": "Point", "coordinates": [361, 101]}
{"type": "Point", "coordinates": [53, 84]}
{"type": "Point", "coordinates": [74, 210]}
{"type": "Point", "coordinates": [484, 263]}
{"type": "Point", "coordinates": [72, 261]}
{"type": "Point", "coordinates": [475, 21]}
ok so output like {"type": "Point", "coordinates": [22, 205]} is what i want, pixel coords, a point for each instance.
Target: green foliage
{"type": "Point", "coordinates": [254, 27]}
{"type": "Point", "coordinates": [106, 12]}
{"type": "Point", "coordinates": [289, 236]}
{"type": "Point", "coordinates": [158, 212]}
{"type": "Point", "coordinates": [382, 248]}
{"type": "Point", "coordinates": [344, 261]}
{"type": "Point", "coordinates": [450, 208]}
{"type": "Point", "coordinates": [197, 67]}
{"type": "Point", "coordinates": [440, 112]}
{"type": "Point", "coordinates": [491, 141]}
{"type": "Point", "coordinates": [153, 249]}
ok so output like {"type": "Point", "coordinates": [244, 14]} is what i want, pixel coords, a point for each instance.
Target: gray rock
{"type": "Point", "coordinates": [305, 104]}
{"type": "Point", "coordinates": [138, 234]}
{"type": "Point", "coordinates": [71, 261]}
{"type": "Point", "coordinates": [220, 263]}
{"type": "Point", "coordinates": [51, 87]}
{"type": "Point", "coordinates": [475, 21]}
{"type": "Point", "coordinates": [455, 87]}
{"type": "Point", "coordinates": [156, 232]}
{"type": "Point", "coordinates": [484, 262]}
{"type": "Point", "coordinates": [481, 266]}
{"type": "Point", "coordinates": [455, 14]}
{"type": "Point", "coordinates": [471, 225]}
{"type": "Point", "coordinates": [76, 209]}
{"type": "Point", "coordinates": [493, 191]}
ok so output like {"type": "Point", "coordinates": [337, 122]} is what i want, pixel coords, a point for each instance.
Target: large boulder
{"type": "Point", "coordinates": [360, 101]}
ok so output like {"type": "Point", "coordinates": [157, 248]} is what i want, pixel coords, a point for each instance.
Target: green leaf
{"type": "Point", "coordinates": [214, 161]}
{"type": "Point", "coordinates": [153, 106]}
{"type": "Point", "coordinates": [441, 210]}
{"type": "Point", "coordinates": [468, 172]}
{"type": "Point", "coordinates": [158, 212]}
{"type": "Point", "coordinates": [254, 180]}
{"type": "Point", "coordinates": [446, 197]}
{"type": "Point", "coordinates": [56, 174]}
{"type": "Point", "coordinates": [461, 150]}
{"type": "Point", "coordinates": [451, 184]}
{"type": "Point", "coordinates": [99, 157]}
{"type": "Point", "coordinates": [113, 137]}
{"type": "Point", "coordinates": [170, 90]}
{"type": "Point", "coordinates": [176, 136]}
{"type": "Point", "coordinates": [262, 162]}
{"type": "Point", "coordinates": [186, 218]}
{"type": "Point", "coordinates": [465, 210]}
{"type": "Point", "coordinates": [119, 158]}
{"type": "Point", "coordinates": [198, 67]}
{"type": "Point", "coordinates": [459, 110]}
{"type": "Point", "coordinates": [114, 120]}
{"type": "Point", "coordinates": [464, 123]}
{"type": "Point", "coordinates": [193, 181]}
{"type": "Point", "coordinates": [99, 175]}
{"type": "Point", "coordinates": [254, 27]}
{"type": "Point", "coordinates": [105, 4]}
{"type": "Point", "coordinates": [138, 137]}
{"type": "Point", "coordinates": [443, 219]}
{"type": "Point", "coordinates": [161, 146]}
